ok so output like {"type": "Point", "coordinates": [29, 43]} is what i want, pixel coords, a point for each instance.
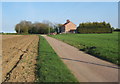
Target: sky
{"type": "Point", "coordinates": [58, 12]}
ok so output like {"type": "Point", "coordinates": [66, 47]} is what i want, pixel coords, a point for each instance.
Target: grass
{"type": "Point", "coordinates": [104, 46]}
{"type": "Point", "coordinates": [49, 66]}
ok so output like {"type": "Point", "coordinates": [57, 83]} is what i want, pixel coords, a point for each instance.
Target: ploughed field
{"type": "Point", "coordinates": [104, 46]}
{"type": "Point", "coordinates": [19, 53]}
{"type": "Point", "coordinates": [0, 58]}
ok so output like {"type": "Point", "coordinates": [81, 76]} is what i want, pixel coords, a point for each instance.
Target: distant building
{"type": "Point", "coordinates": [68, 27]}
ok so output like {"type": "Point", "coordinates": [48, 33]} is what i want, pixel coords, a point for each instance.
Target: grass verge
{"type": "Point", "coordinates": [49, 66]}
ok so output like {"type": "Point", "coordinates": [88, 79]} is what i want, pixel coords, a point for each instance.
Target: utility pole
{"type": "Point", "coordinates": [49, 30]}
{"type": "Point", "coordinates": [19, 30]}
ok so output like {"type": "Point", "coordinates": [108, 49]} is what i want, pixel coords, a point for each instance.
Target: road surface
{"type": "Point", "coordinates": [86, 68]}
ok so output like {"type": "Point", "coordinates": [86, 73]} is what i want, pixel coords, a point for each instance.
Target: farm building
{"type": "Point", "coordinates": [68, 27]}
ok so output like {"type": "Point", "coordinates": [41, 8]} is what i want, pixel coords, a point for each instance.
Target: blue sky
{"type": "Point", "coordinates": [58, 12]}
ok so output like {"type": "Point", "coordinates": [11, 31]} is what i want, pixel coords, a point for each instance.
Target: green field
{"type": "Point", "coordinates": [49, 66]}
{"type": "Point", "coordinates": [104, 46]}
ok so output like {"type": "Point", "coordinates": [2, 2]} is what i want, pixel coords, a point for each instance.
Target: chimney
{"type": "Point", "coordinates": [68, 21]}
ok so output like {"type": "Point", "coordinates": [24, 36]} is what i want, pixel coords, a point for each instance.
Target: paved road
{"type": "Point", "coordinates": [86, 68]}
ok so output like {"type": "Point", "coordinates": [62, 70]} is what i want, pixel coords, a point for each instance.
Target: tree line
{"type": "Point", "coordinates": [94, 27]}
{"type": "Point", "coordinates": [46, 27]}
{"type": "Point", "coordinates": [117, 29]}
{"type": "Point", "coordinates": [34, 28]}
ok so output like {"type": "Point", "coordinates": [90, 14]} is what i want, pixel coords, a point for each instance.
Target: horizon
{"type": "Point", "coordinates": [58, 12]}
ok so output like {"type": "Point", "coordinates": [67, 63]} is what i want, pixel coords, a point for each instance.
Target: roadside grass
{"type": "Point", "coordinates": [104, 46]}
{"type": "Point", "coordinates": [49, 66]}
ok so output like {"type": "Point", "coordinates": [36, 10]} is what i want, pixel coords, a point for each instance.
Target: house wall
{"type": "Point", "coordinates": [70, 26]}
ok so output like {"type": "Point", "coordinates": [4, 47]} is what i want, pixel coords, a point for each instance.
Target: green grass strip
{"type": "Point", "coordinates": [49, 66]}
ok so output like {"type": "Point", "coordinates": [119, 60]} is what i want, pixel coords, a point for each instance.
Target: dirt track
{"type": "Point", "coordinates": [85, 67]}
{"type": "Point", "coordinates": [19, 57]}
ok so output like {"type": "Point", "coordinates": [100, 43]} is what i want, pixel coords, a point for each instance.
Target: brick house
{"type": "Point", "coordinates": [68, 27]}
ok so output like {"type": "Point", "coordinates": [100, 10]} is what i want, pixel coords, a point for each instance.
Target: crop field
{"type": "Point", "coordinates": [104, 46]}
{"type": "Point", "coordinates": [19, 53]}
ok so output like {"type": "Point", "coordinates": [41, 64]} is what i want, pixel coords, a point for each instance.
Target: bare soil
{"type": "Point", "coordinates": [0, 59]}
{"type": "Point", "coordinates": [9, 36]}
{"type": "Point", "coordinates": [19, 54]}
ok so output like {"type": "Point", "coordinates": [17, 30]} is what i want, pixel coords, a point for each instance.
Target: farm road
{"type": "Point", "coordinates": [86, 68]}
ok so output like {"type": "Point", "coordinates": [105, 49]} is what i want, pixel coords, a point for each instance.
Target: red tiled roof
{"type": "Point", "coordinates": [68, 21]}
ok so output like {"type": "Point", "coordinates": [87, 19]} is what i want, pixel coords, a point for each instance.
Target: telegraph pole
{"type": "Point", "coordinates": [19, 30]}
{"type": "Point", "coordinates": [49, 30]}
